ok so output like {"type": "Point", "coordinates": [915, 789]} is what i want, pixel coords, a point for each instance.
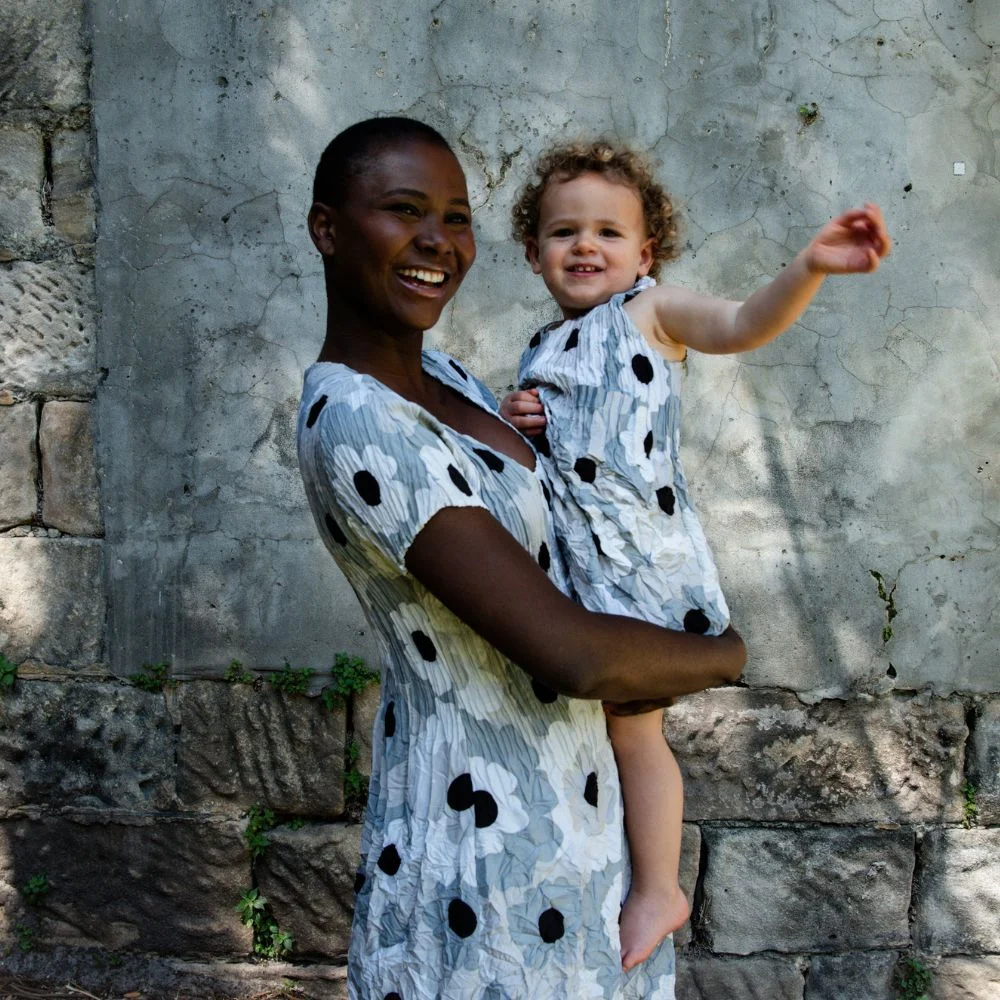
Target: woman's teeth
{"type": "Point", "coordinates": [422, 275]}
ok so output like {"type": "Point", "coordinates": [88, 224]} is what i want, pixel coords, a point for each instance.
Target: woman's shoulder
{"type": "Point", "coordinates": [446, 369]}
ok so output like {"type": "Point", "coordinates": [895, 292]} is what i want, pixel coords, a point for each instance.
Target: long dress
{"type": "Point", "coordinates": [630, 535]}
{"type": "Point", "coordinates": [493, 856]}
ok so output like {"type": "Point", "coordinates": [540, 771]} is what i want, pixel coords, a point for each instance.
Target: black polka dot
{"type": "Point", "coordinates": [586, 469]}
{"type": "Point", "coordinates": [544, 694]}
{"type": "Point", "coordinates": [665, 498]}
{"type": "Point", "coordinates": [486, 809]}
{"type": "Point", "coordinates": [315, 410]}
{"type": "Point", "coordinates": [461, 919]}
{"type": "Point", "coordinates": [491, 461]}
{"type": "Point", "coordinates": [389, 860]}
{"type": "Point", "coordinates": [460, 794]}
{"type": "Point", "coordinates": [541, 444]}
{"type": "Point", "coordinates": [551, 925]}
{"type": "Point", "coordinates": [389, 725]}
{"type": "Point", "coordinates": [459, 369]}
{"type": "Point", "coordinates": [597, 544]}
{"type": "Point", "coordinates": [547, 495]}
{"type": "Point", "coordinates": [696, 621]}
{"type": "Point", "coordinates": [573, 339]}
{"type": "Point", "coordinates": [535, 340]}
{"type": "Point", "coordinates": [335, 530]}
{"type": "Point", "coordinates": [590, 789]}
{"type": "Point", "coordinates": [359, 881]}
{"type": "Point", "coordinates": [544, 560]}
{"type": "Point", "coordinates": [368, 488]}
{"type": "Point", "coordinates": [459, 480]}
{"type": "Point", "coordinates": [642, 368]}
{"type": "Point", "coordinates": [392, 996]}
{"type": "Point", "coordinates": [630, 296]}
{"type": "Point", "coordinates": [647, 443]}
{"type": "Point", "coordinates": [424, 645]}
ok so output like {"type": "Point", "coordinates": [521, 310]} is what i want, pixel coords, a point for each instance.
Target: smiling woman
{"type": "Point", "coordinates": [492, 849]}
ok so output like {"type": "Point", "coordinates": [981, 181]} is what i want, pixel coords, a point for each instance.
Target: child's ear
{"type": "Point", "coordinates": [646, 257]}
{"type": "Point", "coordinates": [321, 228]}
{"type": "Point", "coordinates": [531, 255]}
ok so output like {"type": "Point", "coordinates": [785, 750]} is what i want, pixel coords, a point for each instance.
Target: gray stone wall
{"type": "Point", "coordinates": [158, 301]}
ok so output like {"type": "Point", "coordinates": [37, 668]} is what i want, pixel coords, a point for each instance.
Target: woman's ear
{"type": "Point", "coordinates": [321, 228]}
{"type": "Point", "coordinates": [531, 255]}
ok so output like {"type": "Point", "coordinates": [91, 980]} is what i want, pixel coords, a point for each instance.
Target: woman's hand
{"type": "Point", "coordinates": [522, 409]}
{"type": "Point", "coordinates": [853, 243]}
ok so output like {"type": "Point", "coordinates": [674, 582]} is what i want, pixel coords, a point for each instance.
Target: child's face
{"type": "Point", "coordinates": [591, 241]}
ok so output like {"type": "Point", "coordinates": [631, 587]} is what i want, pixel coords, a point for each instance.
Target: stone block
{"type": "Point", "coordinates": [984, 761]}
{"type": "Point", "coordinates": [863, 975]}
{"type": "Point", "coordinates": [81, 745]}
{"type": "Point", "coordinates": [70, 499]}
{"type": "Point", "coordinates": [51, 600]}
{"type": "Point", "coordinates": [967, 978]}
{"type": "Point", "coordinates": [163, 885]}
{"type": "Point", "coordinates": [244, 744]}
{"type": "Point", "coordinates": [73, 186]}
{"type": "Point", "coordinates": [817, 890]}
{"type": "Point", "coordinates": [47, 323]}
{"type": "Point", "coordinates": [364, 712]}
{"type": "Point", "coordinates": [18, 464]}
{"type": "Point", "coordinates": [308, 878]}
{"type": "Point", "coordinates": [738, 979]}
{"type": "Point", "coordinates": [766, 756]}
{"type": "Point", "coordinates": [958, 894]}
{"type": "Point", "coordinates": [45, 62]}
{"type": "Point", "coordinates": [22, 175]}
{"type": "Point", "coordinates": [690, 861]}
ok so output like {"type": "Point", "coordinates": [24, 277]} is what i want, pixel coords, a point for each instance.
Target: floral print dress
{"type": "Point", "coordinates": [493, 856]}
{"type": "Point", "coordinates": [628, 530]}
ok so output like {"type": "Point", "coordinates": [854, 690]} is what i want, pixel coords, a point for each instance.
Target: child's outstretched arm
{"type": "Point", "coordinates": [853, 243]}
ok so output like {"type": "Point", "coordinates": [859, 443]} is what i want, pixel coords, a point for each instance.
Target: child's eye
{"type": "Point", "coordinates": [562, 231]}
{"type": "Point", "coordinates": [610, 232]}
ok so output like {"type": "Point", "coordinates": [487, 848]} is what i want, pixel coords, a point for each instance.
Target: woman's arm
{"type": "Point", "coordinates": [466, 559]}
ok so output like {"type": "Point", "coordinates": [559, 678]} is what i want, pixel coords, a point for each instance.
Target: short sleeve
{"type": "Point", "coordinates": [390, 467]}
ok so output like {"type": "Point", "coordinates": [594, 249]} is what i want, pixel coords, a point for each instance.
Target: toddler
{"type": "Point", "coordinates": [599, 398]}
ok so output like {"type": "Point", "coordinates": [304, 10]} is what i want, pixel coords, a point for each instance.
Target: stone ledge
{"type": "Point", "coordinates": [958, 894]}
{"type": "Point", "coordinates": [766, 756]}
{"type": "Point", "coordinates": [812, 890]}
{"type": "Point", "coordinates": [704, 978]}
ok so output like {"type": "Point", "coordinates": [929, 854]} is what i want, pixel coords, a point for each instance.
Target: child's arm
{"type": "Point", "coordinates": [853, 243]}
{"type": "Point", "coordinates": [522, 410]}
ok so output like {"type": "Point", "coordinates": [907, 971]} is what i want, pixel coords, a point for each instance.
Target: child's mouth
{"type": "Point", "coordinates": [584, 269]}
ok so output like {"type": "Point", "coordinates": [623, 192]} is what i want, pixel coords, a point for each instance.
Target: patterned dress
{"type": "Point", "coordinates": [493, 857]}
{"type": "Point", "coordinates": [627, 528]}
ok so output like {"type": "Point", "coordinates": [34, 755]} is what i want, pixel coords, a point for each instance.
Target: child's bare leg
{"type": "Point", "coordinates": [654, 809]}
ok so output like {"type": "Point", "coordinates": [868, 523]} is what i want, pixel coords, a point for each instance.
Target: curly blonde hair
{"type": "Point", "coordinates": [601, 156]}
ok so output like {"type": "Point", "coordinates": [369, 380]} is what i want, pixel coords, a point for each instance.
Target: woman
{"type": "Point", "coordinates": [492, 849]}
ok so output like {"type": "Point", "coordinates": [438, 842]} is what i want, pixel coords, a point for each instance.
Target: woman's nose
{"type": "Point", "coordinates": [433, 235]}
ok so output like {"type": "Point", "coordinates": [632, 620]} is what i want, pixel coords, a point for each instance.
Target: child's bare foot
{"type": "Point", "coordinates": [646, 919]}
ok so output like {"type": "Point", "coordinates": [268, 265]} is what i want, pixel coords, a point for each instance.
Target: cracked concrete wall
{"type": "Point", "coordinates": [860, 441]}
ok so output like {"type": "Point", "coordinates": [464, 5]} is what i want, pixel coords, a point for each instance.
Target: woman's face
{"type": "Point", "coordinates": [402, 240]}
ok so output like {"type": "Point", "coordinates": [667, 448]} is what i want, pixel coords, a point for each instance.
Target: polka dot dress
{"type": "Point", "coordinates": [493, 858]}
{"type": "Point", "coordinates": [629, 533]}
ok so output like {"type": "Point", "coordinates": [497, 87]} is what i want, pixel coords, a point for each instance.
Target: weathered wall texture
{"type": "Point", "coordinates": [150, 507]}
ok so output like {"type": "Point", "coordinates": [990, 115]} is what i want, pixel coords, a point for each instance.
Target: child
{"type": "Point", "coordinates": [599, 398]}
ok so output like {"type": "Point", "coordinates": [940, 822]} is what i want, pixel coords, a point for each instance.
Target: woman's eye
{"type": "Point", "coordinates": [404, 208]}
{"type": "Point", "coordinates": [458, 219]}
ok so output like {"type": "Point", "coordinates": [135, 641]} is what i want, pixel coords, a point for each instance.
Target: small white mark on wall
{"type": "Point", "coordinates": [668, 38]}
{"type": "Point", "coordinates": [959, 168]}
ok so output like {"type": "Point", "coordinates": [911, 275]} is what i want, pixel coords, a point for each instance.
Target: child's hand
{"type": "Point", "coordinates": [853, 243]}
{"type": "Point", "coordinates": [524, 411]}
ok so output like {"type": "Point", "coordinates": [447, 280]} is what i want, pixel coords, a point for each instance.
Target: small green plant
{"type": "Point", "coordinates": [970, 808]}
{"type": "Point", "coordinates": [235, 674]}
{"type": "Point", "coordinates": [268, 940]}
{"type": "Point", "coordinates": [808, 113]}
{"type": "Point", "coordinates": [35, 889]}
{"type": "Point", "coordinates": [887, 595]}
{"type": "Point", "coordinates": [355, 783]}
{"type": "Point", "coordinates": [25, 937]}
{"type": "Point", "coordinates": [8, 674]}
{"type": "Point", "coordinates": [350, 676]}
{"type": "Point", "coordinates": [297, 823]}
{"type": "Point", "coordinates": [259, 821]}
{"type": "Point", "coordinates": [153, 677]}
{"type": "Point", "coordinates": [912, 980]}
{"type": "Point", "coordinates": [291, 681]}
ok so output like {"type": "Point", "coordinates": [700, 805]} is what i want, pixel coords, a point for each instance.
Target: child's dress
{"type": "Point", "coordinates": [626, 525]}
